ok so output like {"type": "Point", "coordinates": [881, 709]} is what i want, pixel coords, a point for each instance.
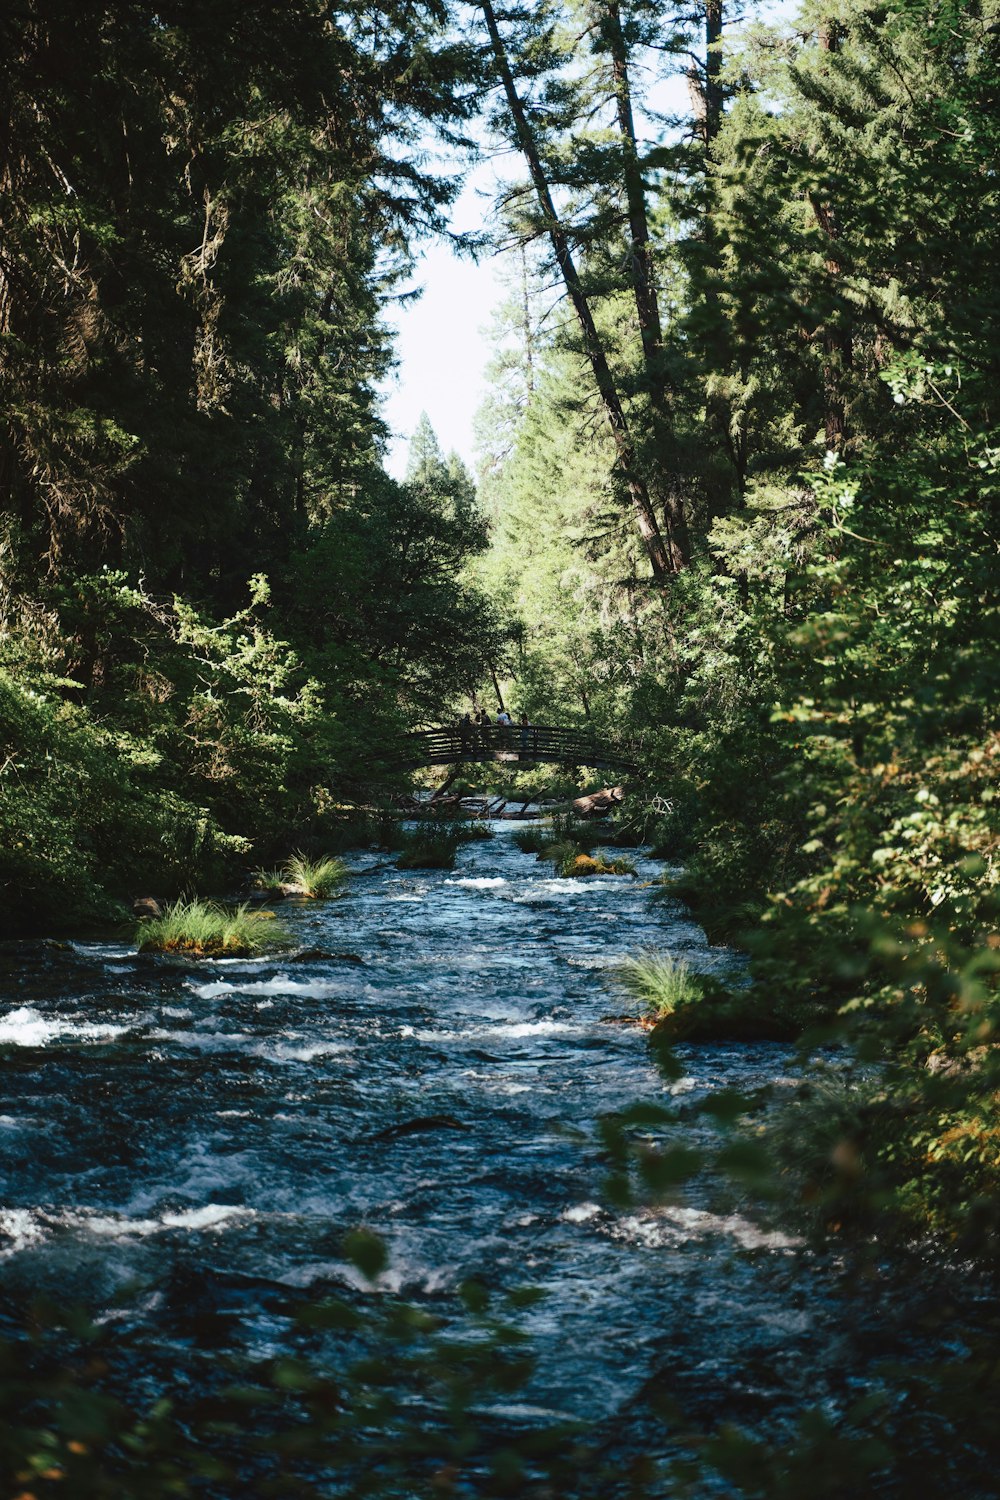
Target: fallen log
{"type": "Point", "coordinates": [598, 804]}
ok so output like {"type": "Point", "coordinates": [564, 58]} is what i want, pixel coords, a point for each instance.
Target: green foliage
{"type": "Point", "coordinates": [80, 822]}
{"type": "Point", "coordinates": [815, 692]}
{"type": "Point", "coordinates": [532, 840]}
{"type": "Point", "coordinates": [204, 929]}
{"type": "Point", "coordinates": [428, 849]}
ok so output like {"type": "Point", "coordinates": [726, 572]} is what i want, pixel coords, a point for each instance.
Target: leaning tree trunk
{"type": "Point", "coordinates": [659, 557]}
{"type": "Point", "coordinates": [838, 344]}
{"type": "Point", "coordinates": [643, 283]}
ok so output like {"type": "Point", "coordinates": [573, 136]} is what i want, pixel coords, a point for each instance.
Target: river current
{"type": "Point", "coordinates": [184, 1141]}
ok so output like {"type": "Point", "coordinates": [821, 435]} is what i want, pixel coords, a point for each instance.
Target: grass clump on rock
{"type": "Point", "coordinates": [572, 848]}
{"type": "Point", "coordinates": [300, 876]}
{"type": "Point", "coordinates": [681, 1006]}
{"type": "Point", "coordinates": [315, 877]}
{"type": "Point", "coordinates": [660, 982]}
{"type": "Point", "coordinates": [205, 929]}
{"type": "Point", "coordinates": [572, 862]}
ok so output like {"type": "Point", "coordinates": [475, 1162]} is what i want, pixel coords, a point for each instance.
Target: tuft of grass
{"type": "Point", "coordinates": [571, 862]}
{"type": "Point", "coordinates": [661, 983]}
{"type": "Point", "coordinates": [207, 930]}
{"type": "Point", "coordinates": [314, 877]}
{"type": "Point", "coordinates": [429, 850]}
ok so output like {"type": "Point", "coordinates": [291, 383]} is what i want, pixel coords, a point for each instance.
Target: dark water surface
{"type": "Point", "coordinates": [193, 1140]}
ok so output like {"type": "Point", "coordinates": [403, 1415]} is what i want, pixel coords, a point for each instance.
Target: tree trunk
{"type": "Point", "coordinates": [838, 345]}
{"type": "Point", "coordinates": [713, 69]}
{"type": "Point", "coordinates": [659, 557]}
{"type": "Point", "coordinates": [643, 284]}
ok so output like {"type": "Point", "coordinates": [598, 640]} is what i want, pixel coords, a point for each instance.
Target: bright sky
{"type": "Point", "coordinates": [441, 341]}
{"type": "Point", "coordinates": [441, 338]}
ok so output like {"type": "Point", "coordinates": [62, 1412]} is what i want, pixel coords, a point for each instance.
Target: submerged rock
{"type": "Point", "coordinates": [316, 955]}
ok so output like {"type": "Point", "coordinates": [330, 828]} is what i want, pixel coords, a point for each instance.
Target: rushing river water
{"type": "Point", "coordinates": [185, 1142]}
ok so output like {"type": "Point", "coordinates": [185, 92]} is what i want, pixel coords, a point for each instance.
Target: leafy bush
{"type": "Point", "coordinates": [80, 824]}
{"type": "Point", "coordinates": [532, 840]}
{"type": "Point", "coordinates": [429, 850]}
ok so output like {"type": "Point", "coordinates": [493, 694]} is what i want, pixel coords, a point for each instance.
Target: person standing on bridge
{"type": "Point", "coordinates": [483, 724]}
{"type": "Point", "coordinates": [465, 733]}
{"type": "Point", "coordinates": [525, 734]}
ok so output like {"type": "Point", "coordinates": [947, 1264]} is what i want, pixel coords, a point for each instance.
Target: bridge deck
{"type": "Point", "coordinates": [453, 744]}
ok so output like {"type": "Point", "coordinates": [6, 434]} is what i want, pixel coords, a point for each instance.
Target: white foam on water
{"type": "Point", "coordinates": [581, 1213]}
{"type": "Point", "coordinates": [292, 1049]}
{"type": "Point", "coordinates": [118, 1229]}
{"type": "Point", "coordinates": [521, 1411]}
{"type": "Point", "coordinates": [533, 1028]}
{"type": "Point", "coordinates": [202, 1218]}
{"type": "Point", "coordinates": [20, 1227]}
{"type": "Point", "coordinates": [484, 883]}
{"type": "Point", "coordinates": [678, 1224]}
{"type": "Point", "coordinates": [515, 1029]}
{"type": "Point", "coordinates": [26, 1027]}
{"type": "Point", "coordinates": [281, 984]}
{"type": "Point", "coordinates": [211, 1041]}
{"type": "Point", "coordinates": [107, 951]}
{"type": "Point", "coordinates": [284, 1052]}
{"type": "Point", "coordinates": [123, 1227]}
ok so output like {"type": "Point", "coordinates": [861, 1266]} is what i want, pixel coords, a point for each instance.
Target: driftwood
{"type": "Point", "coordinates": [598, 804]}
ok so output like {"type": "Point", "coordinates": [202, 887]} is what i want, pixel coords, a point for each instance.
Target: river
{"type": "Point", "coordinates": [185, 1146]}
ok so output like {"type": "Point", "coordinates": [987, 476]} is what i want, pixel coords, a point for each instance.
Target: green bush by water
{"type": "Point", "coordinates": [532, 840]}
{"type": "Point", "coordinates": [429, 850]}
{"type": "Point", "coordinates": [207, 929]}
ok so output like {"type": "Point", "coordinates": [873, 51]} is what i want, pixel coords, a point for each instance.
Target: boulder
{"type": "Point", "coordinates": [146, 906]}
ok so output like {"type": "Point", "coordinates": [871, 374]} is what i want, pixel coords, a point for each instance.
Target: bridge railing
{"type": "Point", "coordinates": [453, 743]}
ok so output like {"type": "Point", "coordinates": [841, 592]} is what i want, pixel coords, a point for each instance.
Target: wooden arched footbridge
{"type": "Point", "coordinates": [527, 743]}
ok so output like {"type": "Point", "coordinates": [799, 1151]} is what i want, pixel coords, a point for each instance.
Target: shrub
{"type": "Point", "coordinates": [532, 840]}
{"type": "Point", "coordinates": [80, 823]}
{"type": "Point", "coordinates": [474, 833]}
{"type": "Point", "coordinates": [585, 835]}
{"type": "Point", "coordinates": [429, 850]}
{"type": "Point", "coordinates": [206, 929]}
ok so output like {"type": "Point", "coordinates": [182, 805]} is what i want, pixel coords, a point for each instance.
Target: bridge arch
{"type": "Point", "coordinates": [529, 744]}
